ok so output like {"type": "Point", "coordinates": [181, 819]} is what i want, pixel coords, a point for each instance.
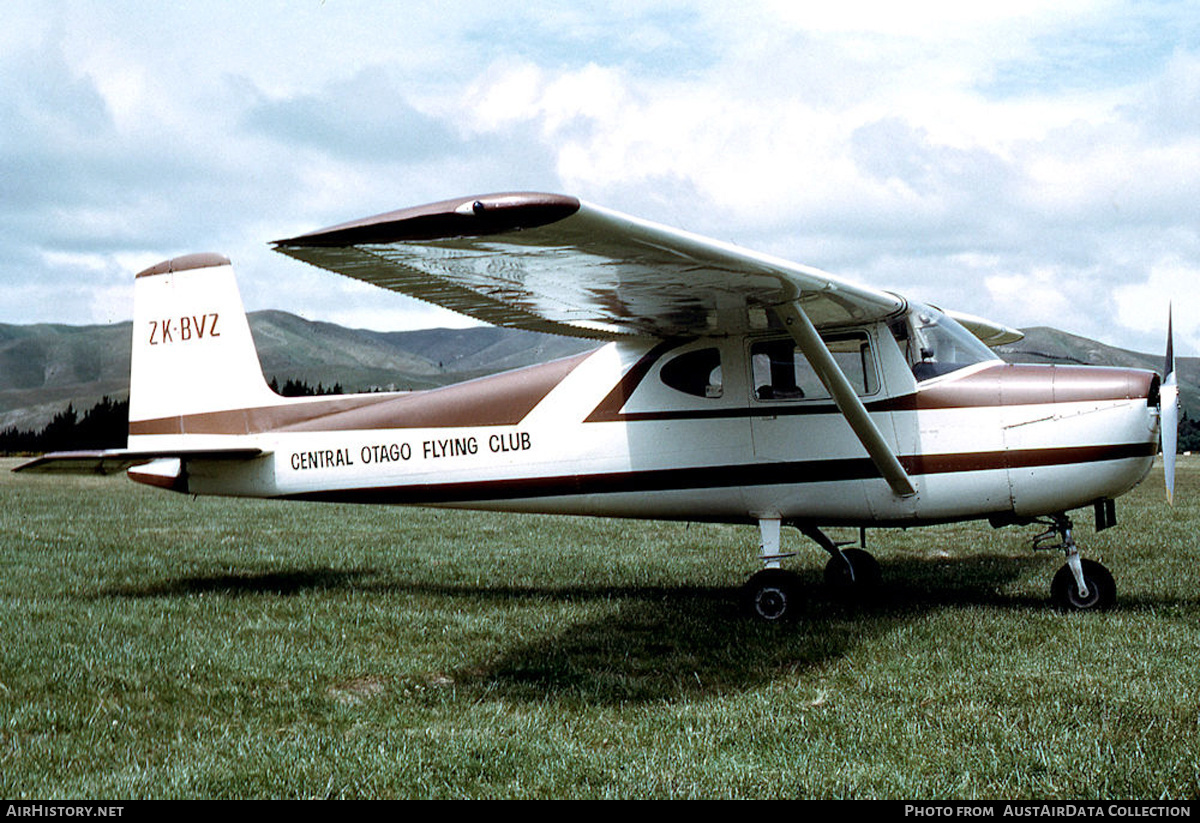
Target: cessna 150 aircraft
{"type": "Point", "coordinates": [733, 387]}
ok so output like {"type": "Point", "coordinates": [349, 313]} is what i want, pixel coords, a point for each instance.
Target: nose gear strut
{"type": "Point", "coordinates": [1080, 585]}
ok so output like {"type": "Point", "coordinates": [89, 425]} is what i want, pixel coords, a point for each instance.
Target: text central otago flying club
{"type": "Point", "coordinates": [397, 452]}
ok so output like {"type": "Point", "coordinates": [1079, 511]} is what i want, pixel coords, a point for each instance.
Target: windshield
{"type": "Point", "coordinates": [936, 345]}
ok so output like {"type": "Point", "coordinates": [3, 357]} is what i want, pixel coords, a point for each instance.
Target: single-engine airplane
{"type": "Point", "coordinates": [732, 386]}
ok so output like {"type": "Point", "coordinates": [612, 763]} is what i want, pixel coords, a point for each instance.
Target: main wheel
{"type": "Point", "coordinates": [1102, 591]}
{"type": "Point", "coordinates": [772, 595]}
{"type": "Point", "coordinates": [855, 572]}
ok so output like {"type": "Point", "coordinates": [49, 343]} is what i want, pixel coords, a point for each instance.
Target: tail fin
{"type": "Point", "coordinates": [192, 349]}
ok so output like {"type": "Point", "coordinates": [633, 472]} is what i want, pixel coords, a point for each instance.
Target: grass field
{"type": "Point", "coordinates": [160, 646]}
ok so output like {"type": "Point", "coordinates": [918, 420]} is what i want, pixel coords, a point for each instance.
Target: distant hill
{"type": "Point", "coordinates": [44, 367]}
{"type": "Point", "coordinates": [359, 359]}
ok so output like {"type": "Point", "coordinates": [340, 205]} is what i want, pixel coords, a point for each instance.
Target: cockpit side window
{"type": "Point", "coordinates": [697, 373]}
{"type": "Point", "coordinates": [935, 345]}
{"type": "Point", "coordinates": [780, 371]}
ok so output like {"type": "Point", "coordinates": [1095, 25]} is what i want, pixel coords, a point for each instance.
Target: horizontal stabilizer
{"type": "Point", "coordinates": [111, 461]}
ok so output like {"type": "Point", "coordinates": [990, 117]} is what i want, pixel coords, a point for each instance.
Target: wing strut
{"type": "Point", "coordinates": [813, 347]}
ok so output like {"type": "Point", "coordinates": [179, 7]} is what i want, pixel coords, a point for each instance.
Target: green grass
{"type": "Point", "coordinates": [160, 646]}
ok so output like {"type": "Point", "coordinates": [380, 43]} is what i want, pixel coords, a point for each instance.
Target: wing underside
{"type": "Point", "coordinates": [552, 263]}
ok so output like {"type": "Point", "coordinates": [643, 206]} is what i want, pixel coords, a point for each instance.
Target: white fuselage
{"type": "Point", "coordinates": [687, 431]}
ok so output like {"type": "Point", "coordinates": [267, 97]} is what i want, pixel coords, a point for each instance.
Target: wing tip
{"type": "Point", "coordinates": [473, 216]}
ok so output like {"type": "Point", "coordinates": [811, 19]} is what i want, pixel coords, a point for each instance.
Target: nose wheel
{"type": "Point", "coordinates": [1080, 585]}
{"type": "Point", "coordinates": [1099, 591]}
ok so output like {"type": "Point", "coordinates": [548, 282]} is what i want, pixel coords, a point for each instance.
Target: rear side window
{"type": "Point", "coordinates": [697, 373]}
{"type": "Point", "coordinates": [780, 371]}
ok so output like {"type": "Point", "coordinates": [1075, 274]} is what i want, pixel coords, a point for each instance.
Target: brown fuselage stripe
{"type": "Point", "coordinates": [1027, 385]}
{"type": "Point", "coordinates": [505, 399]}
{"type": "Point", "coordinates": [610, 407]}
{"type": "Point", "coordinates": [1000, 385]}
{"type": "Point", "coordinates": [708, 477]}
{"type": "Point", "coordinates": [499, 400]}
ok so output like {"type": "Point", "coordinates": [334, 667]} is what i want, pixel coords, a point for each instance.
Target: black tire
{"type": "Point", "coordinates": [772, 595]}
{"type": "Point", "coordinates": [857, 574]}
{"type": "Point", "coordinates": [1102, 590]}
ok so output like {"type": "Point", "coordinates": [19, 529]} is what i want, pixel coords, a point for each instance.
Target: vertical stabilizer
{"type": "Point", "coordinates": [192, 349]}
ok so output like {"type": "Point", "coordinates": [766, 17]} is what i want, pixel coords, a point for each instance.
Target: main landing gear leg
{"type": "Point", "coordinates": [772, 594]}
{"type": "Point", "coordinates": [849, 572]}
{"type": "Point", "coordinates": [1080, 585]}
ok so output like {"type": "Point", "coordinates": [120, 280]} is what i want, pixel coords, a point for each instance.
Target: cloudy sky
{"type": "Point", "coordinates": [1033, 162]}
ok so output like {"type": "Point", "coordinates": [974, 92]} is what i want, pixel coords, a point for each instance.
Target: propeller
{"type": "Point", "coordinates": [1169, 409]}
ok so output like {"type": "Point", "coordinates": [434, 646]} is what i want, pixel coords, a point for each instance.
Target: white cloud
{"type": "Point", "coordinates": [1037, 294]}
{"type": "Point", "coordinates": [1171, 283]}
{"type": "Point", "coordinates": [930, 20]}
{"type": "Point", "coordinates": [1026, 159]}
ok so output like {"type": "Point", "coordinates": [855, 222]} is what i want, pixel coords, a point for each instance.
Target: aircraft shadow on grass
{"type": "Point", "coordinates": [659, 642]}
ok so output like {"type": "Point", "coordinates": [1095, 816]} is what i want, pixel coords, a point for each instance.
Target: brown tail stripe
{"type": "Point", "coordinates": [499, 400]}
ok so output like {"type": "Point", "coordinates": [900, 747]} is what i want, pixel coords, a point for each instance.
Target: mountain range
{"type": "Point", "coordinates": [45, 367]}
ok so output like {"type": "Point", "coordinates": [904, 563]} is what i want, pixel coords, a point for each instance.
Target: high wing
{"type": "Point", "coordinates": [552, 263]}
